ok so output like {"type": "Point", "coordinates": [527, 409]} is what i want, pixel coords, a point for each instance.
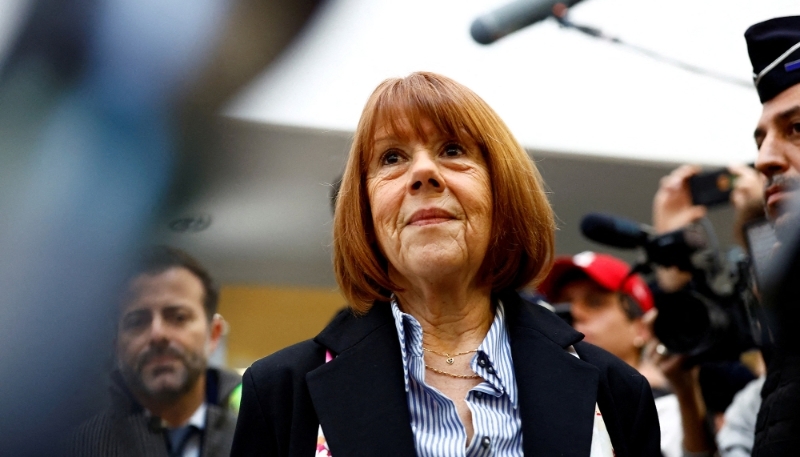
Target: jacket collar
{"type": "Point", "coordinates": [359, 396]}
{"type": "Point", "coordinates": [558, 391]}
{"type": "Point", "coordinates": [361, 401]}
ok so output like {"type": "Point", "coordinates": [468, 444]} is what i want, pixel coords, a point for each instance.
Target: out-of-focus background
{"type": "Point", "coordinates": [602, 122]}
{"type": "Point", "coordinates": [252, 201]}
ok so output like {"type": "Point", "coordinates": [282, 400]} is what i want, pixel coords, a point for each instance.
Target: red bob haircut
{"type": "Point", "coordinates": [522, 242]}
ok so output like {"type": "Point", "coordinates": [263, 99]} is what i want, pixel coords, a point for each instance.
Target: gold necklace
{"type": "Point", "coordinates": [452, 375]}
{"type": "Point", "coordinates": [450, 357]}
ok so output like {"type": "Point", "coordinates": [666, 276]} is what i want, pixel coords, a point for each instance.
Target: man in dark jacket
{"type": "Point", "coordinates": [774, 48]}
{"type": "Point", "coordinates": [165, 400]}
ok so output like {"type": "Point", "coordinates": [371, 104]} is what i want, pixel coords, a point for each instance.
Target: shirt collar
{"type": "Point", "coordinates": [198, 419]}
{"type": "Point", "coordinates": [495, 350]}
{"type": "Point", "coordinates": [407, 328]}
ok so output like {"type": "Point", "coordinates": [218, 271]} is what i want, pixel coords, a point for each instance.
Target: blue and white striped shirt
{"type": "Point", "coordinates": [438, 430]}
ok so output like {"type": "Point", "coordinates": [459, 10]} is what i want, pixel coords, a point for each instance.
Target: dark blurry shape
{"type": "Point", "coordinates": [781, 292]}
{"type": "Point", "coordinates": [514, 16]}
{"type": "Point", "coordinates": [690, 323]}
{"type": "Point", "coordinates": [102, 104]}
{"type": "Point", "coordinates": [720, 381]}
{"type": "Point", "coordinates": [196, 223]}
{"type": "Point", "coordinates": [711, 188]}
{"type": "Point", "coordinates": [615, 231]}
{"type": "Point", "coordinates": [761, 241]}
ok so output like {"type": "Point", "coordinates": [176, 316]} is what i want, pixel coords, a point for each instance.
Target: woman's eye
{"type": "Point", "coordinates": [796, 127]}
{"type": "Point", "coordinates": [453, 150]}
{"type": "Point", "coordinates": [390, 158]}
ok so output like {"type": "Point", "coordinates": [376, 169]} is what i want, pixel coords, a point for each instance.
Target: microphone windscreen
{"type": "Point", "coordinates": [511, 17]}
{"type": "Point", "coordinates": [613, 231]}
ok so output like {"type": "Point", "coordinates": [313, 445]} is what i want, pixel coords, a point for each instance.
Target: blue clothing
{"type": "Point", "coordinates": [438, 430]}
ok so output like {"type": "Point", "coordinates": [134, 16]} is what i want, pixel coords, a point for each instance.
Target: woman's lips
{"type": "Point", "coordinates": [429, 216]}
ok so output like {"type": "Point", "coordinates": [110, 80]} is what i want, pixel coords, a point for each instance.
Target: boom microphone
{"type": "Point", "coordinates": [615, 231]}
{"type": "Point", "coordinates": [509, 18]}
{"type": "Point", "coordinates": [674, 248]}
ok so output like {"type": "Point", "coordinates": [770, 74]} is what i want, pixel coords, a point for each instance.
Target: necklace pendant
{"type": "Point", "coordinates": [450, 361]}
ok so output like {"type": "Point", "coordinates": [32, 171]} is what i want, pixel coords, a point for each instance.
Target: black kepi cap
{"type": "Point", "coordinates": [774, 48]}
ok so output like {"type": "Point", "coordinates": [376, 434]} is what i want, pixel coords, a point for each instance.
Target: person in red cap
{"type": "Point", "coordinates": [607, 304]}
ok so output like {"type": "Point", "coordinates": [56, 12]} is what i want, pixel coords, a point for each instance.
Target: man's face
{"type": "Point", "coordinates": [598, 313]}
{"type": "Point", "coordinates": [164, 337]}
{"type": "Point", "coordinates": [778, 139]}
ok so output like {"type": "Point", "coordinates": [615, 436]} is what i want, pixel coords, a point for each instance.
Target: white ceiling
{"type": "Point", "coordinates": [557, 89]}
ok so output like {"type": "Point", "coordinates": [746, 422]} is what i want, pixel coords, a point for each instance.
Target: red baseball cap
{"type": "Point", "coordinates": [607, 271]}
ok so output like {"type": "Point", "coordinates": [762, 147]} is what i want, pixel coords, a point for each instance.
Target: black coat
{"type": "Point", "coordinates": [124, 430]}
{"type": "Point", "coordinates": [359, 398]}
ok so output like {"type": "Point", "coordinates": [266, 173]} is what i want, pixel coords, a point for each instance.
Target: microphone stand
{"type": "Point", "coordinates": [594, 32]}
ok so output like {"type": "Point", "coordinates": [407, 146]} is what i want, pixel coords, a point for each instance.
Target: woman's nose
{"type": "Point", "coordinates": [425, 174]}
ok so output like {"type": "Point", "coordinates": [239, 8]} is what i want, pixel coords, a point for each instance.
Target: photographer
{"type": "Point", "coordinates": [673, 209]}
{"type": "Point", "coordinates": [602, 300]}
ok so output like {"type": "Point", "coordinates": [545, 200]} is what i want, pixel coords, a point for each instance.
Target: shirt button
{"type": "Point", "coordinates": [490, 370]}
{"type": "Point", "coordinates": [478, 395]}
{"type": "Point", "coordinates": [486, 442]}
{"type": "Point", "coordinates": [482, 362]}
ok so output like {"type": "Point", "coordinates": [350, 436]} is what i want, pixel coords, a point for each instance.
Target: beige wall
{"type": "Point", "coordinates": [265, 319]}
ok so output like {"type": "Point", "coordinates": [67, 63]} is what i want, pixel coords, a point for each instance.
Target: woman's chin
{"type": "Point", "coordinates": [435, 266]}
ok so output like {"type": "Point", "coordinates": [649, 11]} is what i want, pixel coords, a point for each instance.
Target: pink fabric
{"type": "Point", "coordinates": [322, 443]}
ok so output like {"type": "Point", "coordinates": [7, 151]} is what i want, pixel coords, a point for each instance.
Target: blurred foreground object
{"type": "Point", "coordinates": [101, 102]}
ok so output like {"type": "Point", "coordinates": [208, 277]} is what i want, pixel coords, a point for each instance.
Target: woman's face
{"type": "Point", "coordinates": [431, 203]}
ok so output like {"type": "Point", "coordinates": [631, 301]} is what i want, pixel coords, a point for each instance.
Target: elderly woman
{"type": "Point", "coordinates": [440, 217]}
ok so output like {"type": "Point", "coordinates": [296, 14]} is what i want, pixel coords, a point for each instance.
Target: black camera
{"type": "Point", "coordinates": [715, 317]}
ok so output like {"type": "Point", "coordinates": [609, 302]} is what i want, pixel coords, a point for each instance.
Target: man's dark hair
{"type": "Point", "coordinates": [158, 259]}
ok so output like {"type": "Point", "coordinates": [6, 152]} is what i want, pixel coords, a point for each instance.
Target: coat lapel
{"type": "Point", "coordinates": [557, 391]}
{"type": "Point", "coordinates": [361, 402]}
{"type": "Point", "coordinates": [360, 396]}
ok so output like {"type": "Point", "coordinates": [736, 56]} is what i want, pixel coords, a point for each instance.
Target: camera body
{"type": "Point", "coordinates": [716, 316]}
{"type": "Point", "coordinates": [711, 188]}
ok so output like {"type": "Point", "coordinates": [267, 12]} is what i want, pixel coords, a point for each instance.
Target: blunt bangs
{"type": "Point", "coordinates": [404, 104]}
